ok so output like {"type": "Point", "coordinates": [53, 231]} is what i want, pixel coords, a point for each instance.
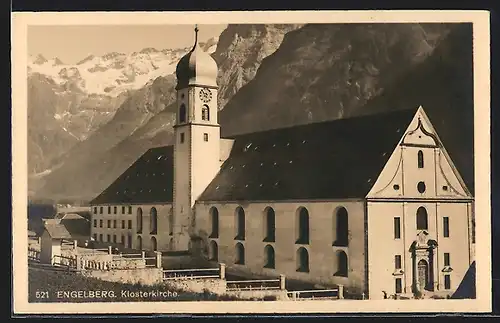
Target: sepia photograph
{"type": "Point", "coordinates": [334, 162]}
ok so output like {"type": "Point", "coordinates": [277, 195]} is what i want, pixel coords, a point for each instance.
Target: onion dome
{"type": "Point", "coordinates": [196, 67]}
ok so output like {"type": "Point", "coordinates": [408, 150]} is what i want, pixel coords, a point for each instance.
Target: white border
{"type": "Point", "coordinates": [480, 20]}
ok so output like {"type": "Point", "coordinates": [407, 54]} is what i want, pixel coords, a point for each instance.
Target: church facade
{"type": "Point", "coordinates": [374, 203]}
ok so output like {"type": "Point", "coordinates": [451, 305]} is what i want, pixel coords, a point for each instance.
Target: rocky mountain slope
{"type": "Point", "coordinates": [145, 117]}
{"type": "Point", "coordinates": [323, 72]}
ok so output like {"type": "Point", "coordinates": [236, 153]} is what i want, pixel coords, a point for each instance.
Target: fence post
{"type": "Point", "coordinates": [341, 292]}
{"type": "Point", "coordinates": [222, 270]}
{"type": "Point", "coordinates": [110, 250]}
{"type": "Point", "coordinates": [158, 259]}
{"type": "Point", "coordinates": [143, 254]}
{"type": "Point", "coordinates": [282, 282]}
{"type": "Point", "coordinates": [39, 241]}
{"type": "Point", "coordinates": [75, 244]}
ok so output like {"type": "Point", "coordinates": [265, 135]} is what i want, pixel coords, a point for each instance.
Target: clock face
{"type": "Point", "coordinates": [205, 95]}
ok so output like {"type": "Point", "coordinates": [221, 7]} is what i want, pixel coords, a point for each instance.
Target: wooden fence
{"type": "Point", "coordinates": [303, 295]}
{"type": "Point", "coordinates": [195, 273]}
{"type": "Point", "coordinates": [33, 254]}
{"type": "Point", "coordinates": [256, 284]}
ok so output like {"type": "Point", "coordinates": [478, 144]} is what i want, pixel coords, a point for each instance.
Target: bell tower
{"type": "Point", "coordinates": [197, 137]}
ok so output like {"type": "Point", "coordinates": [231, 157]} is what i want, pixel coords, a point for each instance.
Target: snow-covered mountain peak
{"type": "Point", "coordinates": [114, 72]}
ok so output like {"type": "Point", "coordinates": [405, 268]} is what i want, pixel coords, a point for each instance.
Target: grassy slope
{"type": "Point", "coordinates": [51, 281]}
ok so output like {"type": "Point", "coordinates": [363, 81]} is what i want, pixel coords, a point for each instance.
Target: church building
{"type": "Point", "coordinates": [374, 202]}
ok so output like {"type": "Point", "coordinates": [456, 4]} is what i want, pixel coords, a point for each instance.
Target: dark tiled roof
{"type": "Point", "coordinates": [148, 180]}
{"type": "Point", "coordinates": [68, 228]}
{"type": "Point", "coordinates": [334, 159]}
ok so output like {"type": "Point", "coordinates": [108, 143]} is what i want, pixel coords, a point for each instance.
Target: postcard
{"type": "Point", "coordinates": [249, 162]}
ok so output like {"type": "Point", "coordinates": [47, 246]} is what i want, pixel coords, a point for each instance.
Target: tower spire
{"type": "Point", "coordinates": [196, 35]}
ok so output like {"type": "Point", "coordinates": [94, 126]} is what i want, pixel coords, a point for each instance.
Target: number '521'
{"type": "Point", "coordinates": [41, 294]}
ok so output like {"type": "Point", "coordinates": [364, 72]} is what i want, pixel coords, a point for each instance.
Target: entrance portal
{"type": "Point", "coordinates": [423, 274]}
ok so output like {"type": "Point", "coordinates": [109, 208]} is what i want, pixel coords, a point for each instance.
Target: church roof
{"type": "Point", "coordinates": [329, 160]}
{"type": "Point", "coordinates": [149, 180]}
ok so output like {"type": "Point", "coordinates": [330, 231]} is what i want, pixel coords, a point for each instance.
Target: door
{"type": "Point", "coordinates": [423, 274]}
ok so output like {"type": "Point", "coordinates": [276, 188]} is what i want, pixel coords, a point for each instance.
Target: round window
{"type": "Point", "coordinates": [421, 187]}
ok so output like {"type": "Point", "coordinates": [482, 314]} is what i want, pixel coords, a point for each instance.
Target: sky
{"type": "Point", "coordinates": [73, 43]}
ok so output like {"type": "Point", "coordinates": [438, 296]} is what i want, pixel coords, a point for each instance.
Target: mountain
{"type": "Point", "coordinates": [327, 71]}
{"type": "Point", "coordinates": [145, 118]}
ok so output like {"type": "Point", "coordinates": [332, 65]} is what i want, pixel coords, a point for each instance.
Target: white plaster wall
{"type": "Point", "coordinates": [382, 246]}
{"type": "Point", "coordinates": [162, 236]}
{"type": "Point", "coordinates": [322, 259]}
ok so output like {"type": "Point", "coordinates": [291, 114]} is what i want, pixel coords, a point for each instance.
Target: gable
{"type": "Point", "coordinates": [420, 157]}
{"type": "Point", "coordinates": [149, 180]}
{"type": "Point", "coordinates": [337, 159]}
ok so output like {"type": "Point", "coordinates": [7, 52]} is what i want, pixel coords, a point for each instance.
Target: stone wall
{"type": "Point", "coordinates": [145, 276]}
{"type": "Point", "coordinates": [281, 295]}
{"type": "Point", "coordinates": [216, 285]}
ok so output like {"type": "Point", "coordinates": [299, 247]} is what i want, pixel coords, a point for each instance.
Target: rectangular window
{"type": "Point", "coordinates": [446, 259]}
{"type": "Point", "coordinates": [397, 228]}
{"type": "Point", "coordinates": [95, 236]}
{"type": "Point", "coordinates": [123, 224]}
{"type": "Point", "coordinates": [109, 223]}
{"type": "Point", "coordinates": [95, 223]}
{"type": "Point", "coordinates": [109, 209]}
{"type": "Point", "coordinates": [130, 224]}
{"type": "Point", "coordinates": [399, 286]}
{"type": "Point", "coordinates": [205, 136]}
{"type": "Point", "coordinates": [100, 223]}
{"type": "Point", "coordinates": [446, 227]}
{"type": "Point", "coordinates": [95, 209]}
{"type": "Point", "coordinates": [100, 237]}
{"type": "Point", "coordinates": [397, 261]}
{"type": "Point", "coordinates": [129, 210]}
{"type": "Point", "coordinates": [114, 238]}
{"type": "Point", "coordinates": [123, 210]}
{"type": "Point", "coordinates": [114, 224]}
{"type": "Point", "coordinates": [182, 137]}
{"type": "Point", "coordinates": [108, 238]}
{"type": "Point", "coordinates": [115, 209]}
{"type": "Point", "coordinates": [100, 210]}
{"type": "Point", "coordinates": [447, 282]}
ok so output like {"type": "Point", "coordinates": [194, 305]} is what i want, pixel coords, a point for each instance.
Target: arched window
{"type": "Point", "coordinates": [341, 227]}
{"type": "Point", "coordinates": [205, 113]}
{"type": "Point", "coordinates": [240, 254]}
{"type": "Point", "coordinates": [240, 223]}
{"type": "Point", "coordinates": [269, 256]}
{"type": "Point", "coordinates": [154, 244]}
{"type": "Point", "coordinates": [302, 260]}
{"type": "Point", "coordinates": [139, 220]}
{"type": "Point", "coordinates": [153, 220]}
{"type": "Point", "coordinates": [139, 242]}
{"type": "Point", "coordinates": [171, 244]}
{"type": "Point", "coordinates": [170, 223]}
{"type": "Point", "coordinates": [420, 156]}
{"type": "Point", "coordinates": [269, 225]}
{"type": "Point", "coordinates": [182, 113]}
{"type": "Point", "coordinates": [213, 251]}
{"type": "Point", "coordinates": [214, 219]}
{"type": "Point", "coordinates": [422, 218]}
{"type": "Point", "coordinates": [302, 222]}
{"type": "Point", "coordinates": [341, 264]}
{"type": "Point", "coordinates": [129, 241]}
